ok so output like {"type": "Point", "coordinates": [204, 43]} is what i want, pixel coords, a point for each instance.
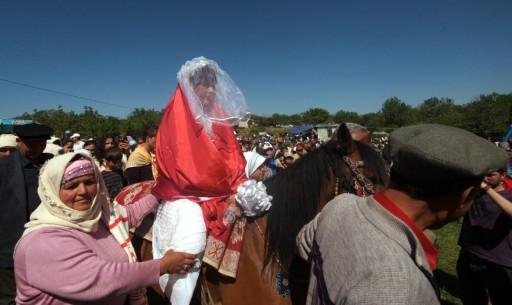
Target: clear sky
{"type": "Point", "coordinates": [286, 56]}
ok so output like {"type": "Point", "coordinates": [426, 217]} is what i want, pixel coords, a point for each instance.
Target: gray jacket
{"type": "Point", "coordinates": [362, 254]}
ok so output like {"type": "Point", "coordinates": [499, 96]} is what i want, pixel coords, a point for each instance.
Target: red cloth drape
{"type": "Point", "coordinates": [191, 164]}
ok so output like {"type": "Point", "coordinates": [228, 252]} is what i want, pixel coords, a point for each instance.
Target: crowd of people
{"type": "Point", "coordinates": [65, 240]}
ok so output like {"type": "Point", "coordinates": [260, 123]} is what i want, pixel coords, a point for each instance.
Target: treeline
{"type": "Point", "coordinates": [90, 123]}
{"type": "Point", "coordinates": [487, 115]}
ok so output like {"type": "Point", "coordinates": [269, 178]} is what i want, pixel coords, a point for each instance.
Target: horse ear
{"type": "Point", "coordinates": [344, 138]}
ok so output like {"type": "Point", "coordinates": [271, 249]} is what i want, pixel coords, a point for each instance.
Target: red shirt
{"type": "Point", "coordinates": [429, 248]}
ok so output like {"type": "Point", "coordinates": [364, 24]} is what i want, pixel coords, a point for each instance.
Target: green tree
{"type": "Point", "coordinates": [345, 116]}
{"type": "Point", "coordinates": [488, 115]}
{"type": "Point", "coordinates": [397, 113]}
{"type": "Point", "coordinates": [316, 116]}
{"type": "Point", "coordinates": [141, 119]}
{"type": "Point", "coordinates": [373, 120]}
{"type": "Point", "coordinates": [440, 111]}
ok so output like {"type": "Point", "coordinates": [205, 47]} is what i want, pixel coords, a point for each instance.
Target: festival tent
{"type": "Point", "coordinates": [508, 133]}
{"type": "Point", "coordinates": [300, 129]}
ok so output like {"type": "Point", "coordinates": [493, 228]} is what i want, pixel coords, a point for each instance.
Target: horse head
{"type": "Point", "coordinates": [301, 191]}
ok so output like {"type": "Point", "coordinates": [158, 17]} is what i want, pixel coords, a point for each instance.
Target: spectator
{"type": "Point", "coordinates": [141, 163]}
{"type": "Point", "coordinates": [300, 150]}
{"type": "Point", "coordinates": [77, 144]}
{"type": "Point", "coordinates": [372, 250]}
{"type": "Point", "coordinates": [254, 162]}
{"type": "Point", "coordinates": [53, 146]}
{"type": "Point", "coordinates": [484, 267]}
{"type": "Point", "coordinates": [18, 189]}
{"type": "Point", "coordinates": [90, 147]}
{"type": "Point", "coordinates": [125, 148]}
{"type": "Point", "coordinates": [67, 146]}
{"type": "Point", "coordinates": [112, 173]}
{"type": "Point", "coordinates": [288, 160]}
{"type": "Point", "coordinates": [76, 248]}
{"type": "Point", "coordinates": [359, 133]}
{"type": "Point", "coordinates": [8, 144]}
{"type": "Point", "coordinates": [109, 143]}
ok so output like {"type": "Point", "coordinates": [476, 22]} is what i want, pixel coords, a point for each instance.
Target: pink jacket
{"type": "Point", "coordinates": [66, 266]}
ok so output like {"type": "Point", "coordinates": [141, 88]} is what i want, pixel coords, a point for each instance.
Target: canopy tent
{"type": "Point", "coordinates": [508, 133]}
{"type": "Point", "coordinates": [299, 129]}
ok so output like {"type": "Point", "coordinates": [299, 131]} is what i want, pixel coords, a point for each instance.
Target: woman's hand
{"type": "Point", "coordinates": [176, 262]}
{"type": "Point", "coordinates": [484, 186]}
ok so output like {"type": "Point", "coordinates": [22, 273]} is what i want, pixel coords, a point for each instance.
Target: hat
{"type": "Point", "coordinates": [33, 131]}
{"type": "Point", "coordinates": [52, 140]}
{"type": "Point", "coordinates": [8, 140]}
{"type": "Point", "coordinates": [267, 145]}
{"type": "Point", "coordinates": [433, 155]}
{"type": "Point", "coordinates": [75, 135]}
{"type": "Point", "coordinates": [51, 148]}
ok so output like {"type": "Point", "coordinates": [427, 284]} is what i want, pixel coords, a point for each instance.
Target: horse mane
{"type": "Point", "coordinates": [374, 161]}
{"type": "Point", "coordinates": [296, 194]}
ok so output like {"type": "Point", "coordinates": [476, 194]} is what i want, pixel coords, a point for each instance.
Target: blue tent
{"type": "Point", "coordinates": [299, 129]}
{"type": "Point", "coordinates": [508, 134]}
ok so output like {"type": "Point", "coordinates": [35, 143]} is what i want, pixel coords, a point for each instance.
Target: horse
{"type": "Point", "coordinates": [269, 270]}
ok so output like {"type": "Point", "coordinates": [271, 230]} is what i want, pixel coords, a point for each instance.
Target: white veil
{"type": "Point", "coordinates": [224, 104]}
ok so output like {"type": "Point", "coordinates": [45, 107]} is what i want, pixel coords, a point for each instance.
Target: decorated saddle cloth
{"type": "Point", "coordinates": [224, 225]}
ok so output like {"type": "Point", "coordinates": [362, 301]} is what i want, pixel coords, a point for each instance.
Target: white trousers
{"type": "Point", "coordinates": [179, 226]}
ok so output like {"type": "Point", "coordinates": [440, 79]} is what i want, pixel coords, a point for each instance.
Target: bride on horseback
{"type": "Point", "coordinates": [202, 176]}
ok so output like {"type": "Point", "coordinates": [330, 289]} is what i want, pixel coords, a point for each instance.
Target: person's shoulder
{"type": "Point", "coordinates": [45, 240]}
{"type": "Point", "coordinates": [341, 203]}
{"type": "Point", "coordinates": [507, 194]}
{"type": "Point", "coordinates": [9, 161]}
{"type": "Point", "coordinates": [342, 211]}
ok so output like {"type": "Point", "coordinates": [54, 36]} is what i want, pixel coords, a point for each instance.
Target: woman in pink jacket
{"type": "Point", "coordinates": [76, 247]}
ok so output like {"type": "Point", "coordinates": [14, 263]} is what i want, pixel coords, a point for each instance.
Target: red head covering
{"type": "Point", "coordinates": [191, 163]}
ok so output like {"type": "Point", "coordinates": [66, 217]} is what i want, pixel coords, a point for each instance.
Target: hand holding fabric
{"type": "Point", "coordinates": [176, 262]}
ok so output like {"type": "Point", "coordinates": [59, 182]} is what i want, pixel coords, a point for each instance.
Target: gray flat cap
{"type": "Point", "coordinates": [432, 154]}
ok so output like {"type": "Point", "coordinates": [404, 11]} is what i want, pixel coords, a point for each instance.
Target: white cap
{"type": "Point", "coordinates": [52, 139]}
{"type": "Point", "coordinates": [8, 140]}
{"type": "Point", "coordinates": [75, 135]}
{"type": "Point", "coordinates": [52, 149]}
{"type": "Point", "coordinates": [267, 145]}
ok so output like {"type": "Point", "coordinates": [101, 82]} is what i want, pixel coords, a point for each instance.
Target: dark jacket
{"type": "Point", "coordinates": [15, 209]}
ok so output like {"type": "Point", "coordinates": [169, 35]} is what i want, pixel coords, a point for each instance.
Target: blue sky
{"type": "Point", "coordinates": [286, 56]}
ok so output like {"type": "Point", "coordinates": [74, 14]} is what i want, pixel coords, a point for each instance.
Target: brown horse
{"type": "Point", "coordinates": [269, 270]}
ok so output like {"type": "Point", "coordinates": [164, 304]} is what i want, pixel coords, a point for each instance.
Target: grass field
{"type": "Point", "coordinates": [446, 240]}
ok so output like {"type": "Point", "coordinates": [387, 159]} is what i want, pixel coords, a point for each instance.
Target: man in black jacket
{"type": "Point", "coordinates": [19, 174]}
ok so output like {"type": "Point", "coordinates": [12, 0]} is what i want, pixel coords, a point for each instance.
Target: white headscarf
{"type": "Point", "coordinates": [254, 160]}
{"type": "Point", "coordinates": [52, 212]}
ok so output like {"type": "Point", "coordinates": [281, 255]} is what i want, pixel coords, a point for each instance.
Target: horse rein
{"type": "Point", "coordinates": [367, 186]}
{"type": "Point", "coordinates": [282, 282]}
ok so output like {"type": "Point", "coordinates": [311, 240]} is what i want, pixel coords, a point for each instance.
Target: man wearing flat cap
{"type": "Point", "coordinates": [19, 174]}
{"type": "Point", "coordinates": [372, 250]}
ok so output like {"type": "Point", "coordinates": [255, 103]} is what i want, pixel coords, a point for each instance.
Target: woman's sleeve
{"type": "Point", "coordinates": [64, 266]}
{"type": "Point", "coordinates": [139, 209]}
